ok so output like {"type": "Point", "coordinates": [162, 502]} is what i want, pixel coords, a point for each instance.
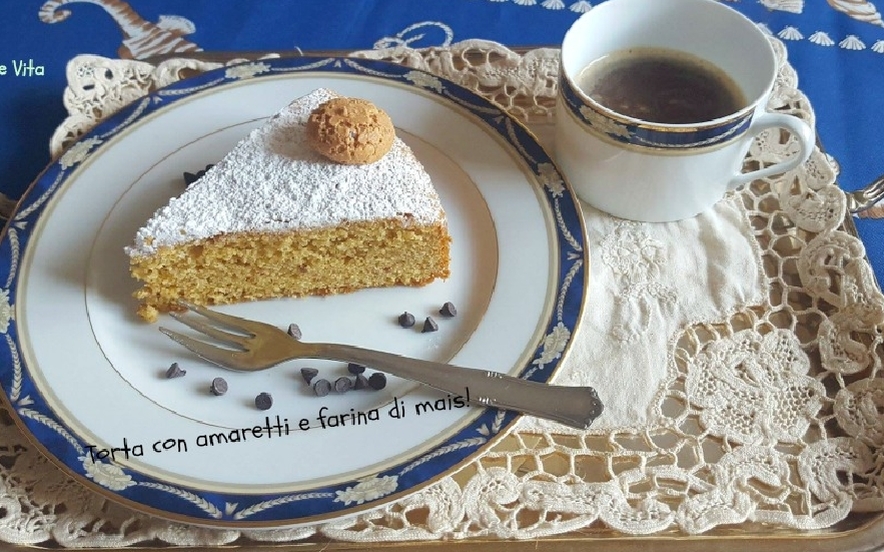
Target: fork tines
{"type": "Point", "coordinates": [212, 353]}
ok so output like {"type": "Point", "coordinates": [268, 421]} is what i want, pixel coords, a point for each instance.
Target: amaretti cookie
{"type": "Point", "coordinates": [350, 130]}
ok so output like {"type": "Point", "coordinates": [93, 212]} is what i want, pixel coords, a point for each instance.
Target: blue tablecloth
{"type": "Point", "coordinates": [837, 47]}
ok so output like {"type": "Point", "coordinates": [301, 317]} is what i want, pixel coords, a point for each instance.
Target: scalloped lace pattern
{"type": "Point", "coordinates": [770, 415]}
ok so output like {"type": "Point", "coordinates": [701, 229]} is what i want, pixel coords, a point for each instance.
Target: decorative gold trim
{"type": "Point", "coordinates": [647, 150]}
{"type": "Point", "coordinates": [494, 440]}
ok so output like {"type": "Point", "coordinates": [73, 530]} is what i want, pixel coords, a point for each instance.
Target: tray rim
{"type": "Point", "coordinates": [866, 535]}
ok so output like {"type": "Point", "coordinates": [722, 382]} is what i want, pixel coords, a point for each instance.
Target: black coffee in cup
{"type": "Point", "coordinates": [660, 85]}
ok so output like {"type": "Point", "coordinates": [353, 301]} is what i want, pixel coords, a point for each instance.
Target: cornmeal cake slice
{"type": "Point", "coordinates": [274, 218]}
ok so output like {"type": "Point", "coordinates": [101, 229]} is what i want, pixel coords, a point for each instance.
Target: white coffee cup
{"type": "Point", "coordinates": [655, 172]}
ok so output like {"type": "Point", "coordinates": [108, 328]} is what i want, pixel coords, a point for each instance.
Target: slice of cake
{"type": "Point", "coordinates": [275, 218]}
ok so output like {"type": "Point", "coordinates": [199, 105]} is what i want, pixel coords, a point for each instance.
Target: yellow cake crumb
{"type": "Point", "coordinates": [148, 312]}
{"type": "Point", "coordinates": [249, 266]}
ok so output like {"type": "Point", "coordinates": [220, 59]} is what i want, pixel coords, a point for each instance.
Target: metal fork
{"type": "Point", "coordinates": [259, 346]}
{"type": "Point", "coordinates": [866, 198]}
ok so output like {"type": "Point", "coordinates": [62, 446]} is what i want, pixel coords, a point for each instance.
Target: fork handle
{"type": "Point", "coordinates": [574, 406]}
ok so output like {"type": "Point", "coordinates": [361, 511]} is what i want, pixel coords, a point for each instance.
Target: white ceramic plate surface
{"type": "Point", "coordinates": [85, 375]}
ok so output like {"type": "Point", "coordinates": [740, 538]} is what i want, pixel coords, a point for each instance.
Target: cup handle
{"type": "Point", "coordinates": [802, 132]}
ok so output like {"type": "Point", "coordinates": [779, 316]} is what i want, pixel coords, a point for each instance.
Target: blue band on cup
{"type": "Point", "coordinates": [648, 135]}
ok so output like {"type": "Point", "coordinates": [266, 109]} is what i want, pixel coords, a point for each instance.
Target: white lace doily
{"type": "Point", "coordinates": [765, 410]}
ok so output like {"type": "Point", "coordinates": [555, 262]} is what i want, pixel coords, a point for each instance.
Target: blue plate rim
{"type": "Point", "coordinates": [64, 448]}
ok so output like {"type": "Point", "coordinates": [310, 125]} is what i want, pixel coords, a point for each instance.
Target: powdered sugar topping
{"type": "Point", "coordinates": [274, 181]}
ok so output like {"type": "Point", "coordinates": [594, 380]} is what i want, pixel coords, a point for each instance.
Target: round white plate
{"type": "Point", "coordinates": [85, 376]}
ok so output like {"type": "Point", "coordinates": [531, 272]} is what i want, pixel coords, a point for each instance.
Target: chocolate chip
{"type": "Point", "coordinates": [377, 381]}
{"type": "Point", "coordinates": [321, 387]}
{"type": "Point", "coordinates": [343, 384]}
{"type": "Point", "coordinates": [308, 374]}
{"type": "Point", "coordinates": [354, 368]}
{"type": "Point", "coordinates": [190, 178]}
{"type": "Point", "coordinates": [360, 382]}
{"type": "Point", "coordinates": [264, 401]}
{"type": "Point", "coordinates": [219, 386]}
{"type": "Point", "coordinates": [294, 331]}
{"type": "Point", "coordinates": [406, 319]}
{"type": "Point", "coordinates": [175, 371]}
{"type": "Point", "coordinates": [448, 310]}
{"type": "Point", "coordinates": [430, 325]}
